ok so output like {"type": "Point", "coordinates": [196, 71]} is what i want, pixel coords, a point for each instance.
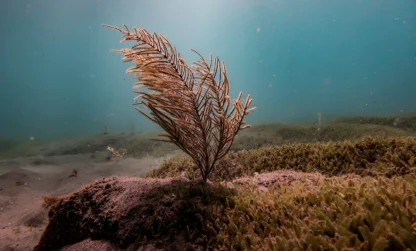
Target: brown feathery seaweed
{"type": "Point", "coordinates": [190, 103]}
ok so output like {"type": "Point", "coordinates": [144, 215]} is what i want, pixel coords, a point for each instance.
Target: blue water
{"type": "Point", "coordinates": [296, 58]}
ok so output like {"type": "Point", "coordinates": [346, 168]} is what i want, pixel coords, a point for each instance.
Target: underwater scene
{"type": "Point", "coordinates": [208, 125]}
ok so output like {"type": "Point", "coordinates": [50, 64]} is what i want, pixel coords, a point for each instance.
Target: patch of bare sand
{"type": "Point", "coordinates": [23, 186]}
{"type": "Point", "coordinates": [284, 178]}
{"type": "Point", "coordinates": [280, 178]}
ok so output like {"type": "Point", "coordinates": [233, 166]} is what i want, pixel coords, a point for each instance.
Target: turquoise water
{"type": "Point", "coordinates": [296, 59]}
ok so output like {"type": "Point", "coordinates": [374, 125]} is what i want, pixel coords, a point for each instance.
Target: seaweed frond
{"type": "Point", "coordinates": [190, 103]}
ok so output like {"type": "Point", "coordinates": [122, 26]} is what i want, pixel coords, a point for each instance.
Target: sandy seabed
{"type": "Point", "coordinates": [24, 184]}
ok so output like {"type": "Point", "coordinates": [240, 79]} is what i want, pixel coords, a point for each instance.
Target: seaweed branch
{"type": "Point", "coordinates": [190, 103]}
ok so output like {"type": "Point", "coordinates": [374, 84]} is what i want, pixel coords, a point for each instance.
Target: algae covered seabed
{"type": "Point", "coordinates": [348, 184]}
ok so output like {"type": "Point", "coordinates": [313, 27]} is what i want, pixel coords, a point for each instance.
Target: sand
{"type": "Point", "coordinates": [25, 181]}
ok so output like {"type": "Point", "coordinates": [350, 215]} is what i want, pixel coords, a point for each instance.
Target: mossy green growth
{"type": "Point", "coordinates": [13, 149]}
{"type": "Point", "coordinates": [280, 134]}
{"type": "Point", "coordinates": [368, 157]}
{"type": "Point", "coordinates": [336, 213]}
{"type": "Point", "coordinates": [406, 122]}
{"type": "Point", "coordinates": [365, 199]}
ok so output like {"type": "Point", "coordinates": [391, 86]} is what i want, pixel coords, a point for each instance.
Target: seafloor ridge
{"type": "Point", "coordinates": [348, 184]}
